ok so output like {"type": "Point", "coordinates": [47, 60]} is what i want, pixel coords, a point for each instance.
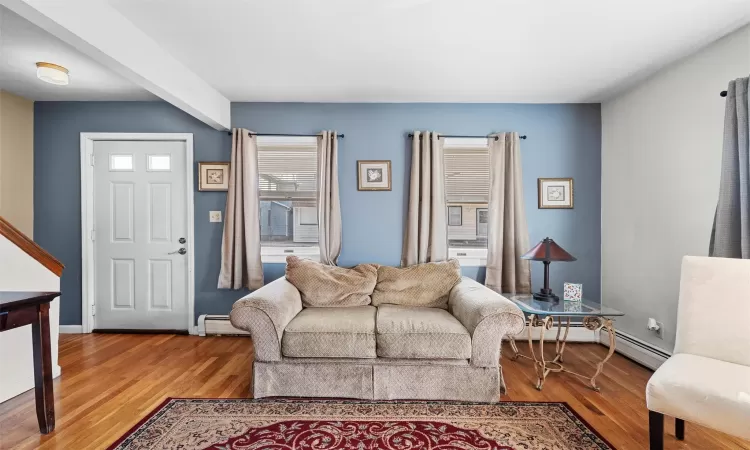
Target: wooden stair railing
{"type": "Point", "coordinates": [33, 249]}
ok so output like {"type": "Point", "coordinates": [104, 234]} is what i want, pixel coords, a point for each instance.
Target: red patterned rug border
{"type": "Point", "coordinates": [162, 407]}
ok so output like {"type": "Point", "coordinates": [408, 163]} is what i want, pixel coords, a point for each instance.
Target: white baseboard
{"type": "Point", "coordinates": [636, 349]}
{"type": "Point", "coordinates": [71, 329]}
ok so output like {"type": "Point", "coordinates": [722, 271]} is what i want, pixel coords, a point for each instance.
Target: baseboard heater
{"type": "Point", "coordinates": [218, 325]}
{"type": "Point", "coordinates": [642, 345]}
{"type": "Point", "coordinates": [637, 350]}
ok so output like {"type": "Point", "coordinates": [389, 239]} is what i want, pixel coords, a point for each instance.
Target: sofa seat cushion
{"type": "Point", "coordinates": [705, 391]}
{"type": "Point", "coordinates": [417, 332]}
{"type": "Point", "coordinates": [343, 332]}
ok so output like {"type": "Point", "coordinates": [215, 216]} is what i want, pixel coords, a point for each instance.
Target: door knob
{"type": "Point", "coordinates": [182, 240]}
{"type": "Point", "coordinates": [181, 251]}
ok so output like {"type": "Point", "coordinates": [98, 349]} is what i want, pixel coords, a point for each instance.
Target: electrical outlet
{"type": "Point", "coordinates": [656, 327]}
{"type": "Point", "coordinates": [214, 216]}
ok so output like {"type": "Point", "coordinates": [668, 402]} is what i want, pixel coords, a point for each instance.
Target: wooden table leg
{"type": "Point", "coordinates": [45, 398]}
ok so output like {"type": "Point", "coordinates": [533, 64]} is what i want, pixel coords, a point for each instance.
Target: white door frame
{"type": "Point", "coordinates": [88, 261]}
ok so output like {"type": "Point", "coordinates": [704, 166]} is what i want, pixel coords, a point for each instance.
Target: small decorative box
{"type": "Point", "coordinates": [573, 292]}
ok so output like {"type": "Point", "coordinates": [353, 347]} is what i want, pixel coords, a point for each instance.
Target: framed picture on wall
{"type": "Point", "coordinates": [454, 216]}
{"type": "Point", "coordinates": [213, 176]}
{"type": "Point", "coordinates": [373, 175]}
{"type": "Point", "coordinates": [555, 193]}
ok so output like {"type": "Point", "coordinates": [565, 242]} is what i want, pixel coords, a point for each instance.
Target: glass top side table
{"type": "Point", "coordinates": [542, 314]}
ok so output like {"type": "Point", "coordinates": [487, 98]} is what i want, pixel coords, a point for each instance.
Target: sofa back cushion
{"type": "Point", "coordinates": [425, 285]}
{"type": "Point", "coordinates": [321, 285]}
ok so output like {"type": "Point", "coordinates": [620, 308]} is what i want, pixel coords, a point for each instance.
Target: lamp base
{"type": "Point", "coordinates": [546, 297]}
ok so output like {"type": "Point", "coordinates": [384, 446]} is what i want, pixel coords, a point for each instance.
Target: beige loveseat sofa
{"type": "Point", "coordinates": [390, 347]}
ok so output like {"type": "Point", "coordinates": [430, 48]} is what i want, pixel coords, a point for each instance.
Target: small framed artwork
{"type": "Point", "coordinates": [213, 176]}
{"type": "Point", "coordinates": [555, 193]}
{"type": "Point", "coordinates": [373, 175]}
{"type": "Point", "coordinates": [454, 216]}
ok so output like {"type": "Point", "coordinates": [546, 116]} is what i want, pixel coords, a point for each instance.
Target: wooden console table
{"type": "Point", "coordinates": [32, 308]}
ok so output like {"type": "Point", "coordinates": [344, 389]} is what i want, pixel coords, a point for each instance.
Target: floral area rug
{"type": "Point", "coordinates": [281, 424]}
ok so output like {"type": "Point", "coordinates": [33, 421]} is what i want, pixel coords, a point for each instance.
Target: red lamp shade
{"type": "Point", "coordinates": [548, 250]}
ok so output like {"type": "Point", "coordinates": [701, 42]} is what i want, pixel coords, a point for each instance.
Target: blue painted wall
{"type": "Point", "coordinates": [564, 141]}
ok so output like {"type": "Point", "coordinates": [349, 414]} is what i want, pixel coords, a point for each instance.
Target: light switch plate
{"type": "Point", "coordinates": [214, 216]}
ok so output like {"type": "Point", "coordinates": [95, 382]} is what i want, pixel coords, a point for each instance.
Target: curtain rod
{"type": "Point", "coordinates": [723, 93]}
{"type": "Point", "coordinates": [457, 136]}
{"type": "Point", "coordinates": [286, 134]}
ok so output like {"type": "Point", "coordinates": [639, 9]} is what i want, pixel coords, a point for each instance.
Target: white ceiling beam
{"type": "Point", "coordinates": [101, 32]}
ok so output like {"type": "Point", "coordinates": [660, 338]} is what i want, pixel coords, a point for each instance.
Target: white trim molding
{"type": "Point", "coordinates": [88, 291]}
{"type": "Point", "coordinates": [466, 143]}
{"type": "Point", "coordinates": [469, 257]}
{"type": "Point", "coordinates": [277, 255]}
{"type": "Point", "coordinates": [71, 329]}
{"type": "Point", "coordinates": [637, 350]}
{"type": "Point", "coordinates": [288, 141]}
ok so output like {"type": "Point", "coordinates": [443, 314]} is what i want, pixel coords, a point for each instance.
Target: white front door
{"type": "Point", "coordinates": [140, 235]}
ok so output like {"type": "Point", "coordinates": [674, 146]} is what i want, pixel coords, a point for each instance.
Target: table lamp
{"type": "Point", "coordinates": [547, 251]}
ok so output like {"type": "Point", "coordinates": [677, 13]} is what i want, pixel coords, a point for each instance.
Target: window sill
{"type": "Point", "coordinates": [277, 255]}
{"type": "Point", "coordinates": [469, 257]}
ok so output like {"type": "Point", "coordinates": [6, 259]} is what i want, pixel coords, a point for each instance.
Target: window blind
{"type": "Point", "coordinates": [288, 173]}
{"type": "Point", "coordinates": [467, 175]}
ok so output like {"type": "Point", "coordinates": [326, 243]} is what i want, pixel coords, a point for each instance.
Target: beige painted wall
{"type": "Point", "coordinates": [661, 158]}
{"type": "Point", "coordinates": [17, 161]}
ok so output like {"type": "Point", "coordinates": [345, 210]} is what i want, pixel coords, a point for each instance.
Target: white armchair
{"type": "Point", "coordinates": [707, 380]}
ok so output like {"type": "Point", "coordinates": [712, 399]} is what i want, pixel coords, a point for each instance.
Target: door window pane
{"type": "Point", "coordinates": [120, 163]}
{"type": "Point", "coordinates": [159, 163]}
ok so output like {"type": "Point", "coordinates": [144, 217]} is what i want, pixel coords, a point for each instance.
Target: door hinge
{"type": "Point", "coordinates": [93, 310]}
{"type": "Point", "coordinates": [91, 159]}
{"type": "Point", "coordinates": [93, 235]}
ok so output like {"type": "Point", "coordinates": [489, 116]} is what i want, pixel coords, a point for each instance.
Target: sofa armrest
{"type": "Point", "coordinates": [488, 316]}
{"type": "Point", "coordinates": [265, 313]}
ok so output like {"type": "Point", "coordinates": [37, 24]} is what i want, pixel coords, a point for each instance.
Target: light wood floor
{"type": "Point", "coordinates": [111, 381]}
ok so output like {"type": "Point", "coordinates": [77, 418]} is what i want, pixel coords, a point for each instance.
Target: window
{"type": "Point", "coordinates": [288, 182]}
{"type": "Point", "coordinates": [121, 163]}
{"type": "Point", "coordinates": [159, 163]}
{"type": "Point", "coordinates": [467, 188]}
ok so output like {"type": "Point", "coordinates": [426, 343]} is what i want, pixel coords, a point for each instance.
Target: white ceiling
{"type": "Point", "coordinates": [22, 44]}
{"type": "Point", "coordinates": [430, 50]}
{"type": "Point", "coordinates": [526, 51]}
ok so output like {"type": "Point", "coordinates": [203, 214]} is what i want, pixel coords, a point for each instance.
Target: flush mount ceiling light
{"type": "Point", "coordinates": [52, 73]}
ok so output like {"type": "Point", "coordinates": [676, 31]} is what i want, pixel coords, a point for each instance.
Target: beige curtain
{"type": "Point", "coordinates": [329, 207]}
{"type": "Point", "coordinates": [507, 232]}
{"type": "Point", "coordinates": [240, 244]}
{"type": "Point", "coordinates": [426, 236]}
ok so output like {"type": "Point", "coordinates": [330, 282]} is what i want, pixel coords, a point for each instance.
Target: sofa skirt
{"type": "Point", "coordinates": [376, 380]}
